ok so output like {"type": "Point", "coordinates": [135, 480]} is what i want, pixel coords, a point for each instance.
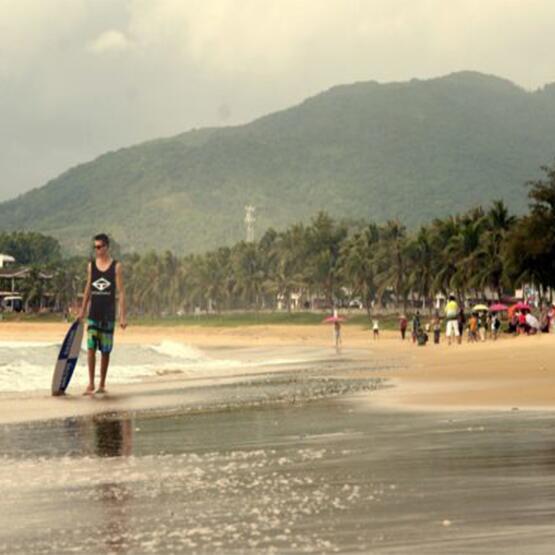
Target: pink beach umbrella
{"type": "Point", "coordinates": [333, 319]}
{"type": "Point", "coordinates": [498, 307]}
{"type": "Point", "coordinates": [521, 306]}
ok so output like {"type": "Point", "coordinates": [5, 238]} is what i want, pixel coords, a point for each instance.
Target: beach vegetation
{"type": "Point", "coordinates": [483, 253]}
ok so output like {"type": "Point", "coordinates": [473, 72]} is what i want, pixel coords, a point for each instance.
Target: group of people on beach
{"type": "Point", "coordinates": [480, 325]}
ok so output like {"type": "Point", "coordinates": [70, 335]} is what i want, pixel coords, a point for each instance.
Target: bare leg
{"type": "Point", "coordinates": [104, 362]}
{"type": "Point", "coordinates": [91, 359]}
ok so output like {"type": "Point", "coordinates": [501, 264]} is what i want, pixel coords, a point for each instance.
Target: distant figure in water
{"type": "Point", "coordinates": [376, 328]}
{"type": "Point", "coordinates": [337, 334]}
{"type": "Point", "coordinates": [403, 324]}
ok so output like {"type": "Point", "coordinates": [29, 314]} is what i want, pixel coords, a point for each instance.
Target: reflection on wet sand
{"type": "Point", "coordinates": [114, 438]}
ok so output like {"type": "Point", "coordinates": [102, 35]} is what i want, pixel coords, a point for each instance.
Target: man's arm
{"type": "Point", "coordinates": [86, 294]}
{"type": "Point", "coordinates": [121, 296]}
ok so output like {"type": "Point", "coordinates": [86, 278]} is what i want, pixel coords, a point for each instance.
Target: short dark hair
{"type": "Point", "coordinates": [102, 237]}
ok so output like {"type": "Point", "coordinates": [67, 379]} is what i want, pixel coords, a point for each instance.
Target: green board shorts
{"type": "Point", "coordinates": [100, 336]}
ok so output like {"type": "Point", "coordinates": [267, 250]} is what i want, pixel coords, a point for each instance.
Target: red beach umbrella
{"type": "Point", "coordinates": [521, 306]}
{"type": "Point", "coordinates": [498, 307]}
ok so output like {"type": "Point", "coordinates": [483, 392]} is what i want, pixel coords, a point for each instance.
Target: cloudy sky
{"type": "Point", "coordinates": [80, 77]}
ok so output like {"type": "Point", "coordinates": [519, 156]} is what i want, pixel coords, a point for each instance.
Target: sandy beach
{"type": "Point", "coordinates": [511, 373]}
{"type": "Point", "coordinates": [297, 449]}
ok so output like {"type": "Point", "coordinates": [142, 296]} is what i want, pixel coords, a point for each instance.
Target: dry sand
{"type": "Point", "coordinates": [511, 373]}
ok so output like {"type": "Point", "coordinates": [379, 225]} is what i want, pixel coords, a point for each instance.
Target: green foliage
{"type": "Point", "coordinates": [531, 245]}
{"type": "Point", "coordinates": [30, 248]}
{"type": "Point", "coordinates": [334, 262]}
{"type": "Point", "coordinates": [409, 152]}
{"type": "Point", "coordinates": [327, 260]}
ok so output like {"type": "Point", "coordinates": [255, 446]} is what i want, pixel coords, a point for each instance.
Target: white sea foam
{"type": "Point", "coordinates": [28, 366]}
{"type": "Point", "coordinates": [178, 350]}
{"type": "Point", "coordinates": [24, 344]}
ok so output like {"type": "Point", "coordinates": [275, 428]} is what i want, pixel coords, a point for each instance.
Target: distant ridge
{"type": "Point", "coordinates": [412, 150]}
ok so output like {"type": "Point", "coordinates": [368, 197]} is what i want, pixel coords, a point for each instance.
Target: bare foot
{"type": "Point", "coordinates": [89, 391]}
{"type": "Point", "coordinates": [100, 391]}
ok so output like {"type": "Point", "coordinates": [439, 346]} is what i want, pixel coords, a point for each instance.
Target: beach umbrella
{"type": "Point", "coordinates": [480, 308]}
{"type": "Point", "coordinates": [498, 307]}
{"type": "Point", "coordinates": [532, 321]}
{"type": "Point", "coordinates": [333, 319]}
{"type": "Point", "coordinates": [521, 306]}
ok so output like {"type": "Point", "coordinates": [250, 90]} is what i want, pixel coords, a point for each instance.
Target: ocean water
{"type": "Point", "coordinates": [28, 366]}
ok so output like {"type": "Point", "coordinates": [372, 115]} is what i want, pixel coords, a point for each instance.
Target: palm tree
{"type": "Point", "coordinates": [248, 273]}
{"type": "Point", "coordinates": [32, 288]}
{"type": "Point", "coordinates": [67, 282]}
{"type": "Point", "coordinates": [463, 251]}
{"type": "Point", "coordinates": [147, 284]}
{"type": "Point", "coordinates": [391, 261]}
{"type": "Point", "coordinates": [286, 264]}
{"type": "Point", "coordinates": [442, 234]}
{"type": "Point", "coordinates": [531, 244]}
{"type": "Point", "coordinates": [324, 239]}
{"type": "Point", "coordinates": [357, 264]}
{"type": "Point", "coordinates": [491, 270]}
{"type": "Point", "coordinates": [421, 255]}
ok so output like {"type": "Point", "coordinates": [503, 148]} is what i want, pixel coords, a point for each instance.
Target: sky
{"type": "Point", "coordinates": [82, 77]}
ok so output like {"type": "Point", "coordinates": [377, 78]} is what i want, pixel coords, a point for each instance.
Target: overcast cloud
{"type": "Point", "coordinates": [80, 77]}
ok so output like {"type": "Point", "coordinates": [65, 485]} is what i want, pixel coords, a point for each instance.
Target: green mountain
{"type": "Point", "coordinates": [412, 150]}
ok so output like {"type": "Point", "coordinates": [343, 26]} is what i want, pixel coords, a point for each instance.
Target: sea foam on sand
{"type": "Point", "coordinates": [28, 366]}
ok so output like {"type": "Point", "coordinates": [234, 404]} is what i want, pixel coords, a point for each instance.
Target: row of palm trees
{"type": "Point", "coordinates": [482, 249]}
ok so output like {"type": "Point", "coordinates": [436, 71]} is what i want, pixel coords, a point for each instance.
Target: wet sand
{"type": "Point", "coordinates": [177, 393]}
{"type": "Point", "coordinates": [331, 476]}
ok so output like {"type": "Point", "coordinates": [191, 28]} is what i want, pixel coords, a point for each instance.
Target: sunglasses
{"type": "Point", "coordinates": [98, 247]}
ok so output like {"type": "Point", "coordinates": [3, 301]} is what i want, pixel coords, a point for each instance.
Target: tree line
{"type": "Point", "coordinates": [334, 261]}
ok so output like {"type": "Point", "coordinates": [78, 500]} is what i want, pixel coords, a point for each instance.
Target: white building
{"type": "Point", "coordinates": [6, 259]}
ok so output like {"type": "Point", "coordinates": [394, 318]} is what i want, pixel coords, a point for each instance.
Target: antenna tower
{"type": "Point", "coordinates": [250, 220]}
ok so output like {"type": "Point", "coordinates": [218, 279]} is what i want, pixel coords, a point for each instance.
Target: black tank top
{"type": "Point", "coordinates": [103, 293]}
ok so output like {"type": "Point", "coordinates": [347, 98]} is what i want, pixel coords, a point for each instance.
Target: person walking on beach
{"type": "Point", "coordinates": [376, 328]}
{"type": "Point", "coordinates": [452, 316]}
{"type": "Point", "coordinates": [416, 326]}
{"type": "Point", "coordinates": [104, 279]}
{"type": "Point", "coordinates": [436, 326]}
{"type": "Point", "coordinates": [495, 325]}
{"type": "Point", "coordinates": [403, 325]}
{"type": "Point", "coordinates": [461, 320]}
{"type": "Point", "coordinates": [473, 328]}
{"type": "Point", "coordinates": [482, 325]}
{"type": "Point", "coordinates": [337, 335]}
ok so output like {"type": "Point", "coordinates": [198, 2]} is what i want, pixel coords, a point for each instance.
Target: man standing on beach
{"type": "Point", "coordinates": [451, 315]}
{"type": "Point", "coordinates": [105, 277]}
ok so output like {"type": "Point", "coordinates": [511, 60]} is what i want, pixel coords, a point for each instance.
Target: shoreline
{"type": "Point", "coordinates": [508, 374]}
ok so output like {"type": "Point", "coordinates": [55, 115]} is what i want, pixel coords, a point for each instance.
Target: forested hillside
{"type": "Point", "coordinates": [411, 151]}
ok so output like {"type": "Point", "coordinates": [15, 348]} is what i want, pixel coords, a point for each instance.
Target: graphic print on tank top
{"type": "Point", "coordinates": [103, 293]}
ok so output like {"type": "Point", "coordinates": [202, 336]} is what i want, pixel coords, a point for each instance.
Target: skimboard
{"type": "Point", "coordinates": [67, 359]}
